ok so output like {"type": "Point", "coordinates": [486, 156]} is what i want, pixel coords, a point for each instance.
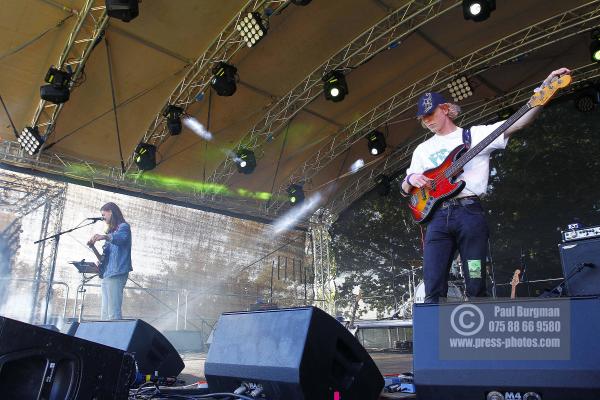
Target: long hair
{"type": "Point", "coordinates": [117, 216]}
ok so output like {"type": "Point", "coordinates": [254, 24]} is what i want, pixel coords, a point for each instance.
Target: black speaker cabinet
{"type": "Point", "coordinates": [40, 364]}
{"type": "Point", "coordinates": [290, 354]}
{"type": "Point", "coordinates": [573, 254]}
{"type": "Point", "coordinates": [152, 351]}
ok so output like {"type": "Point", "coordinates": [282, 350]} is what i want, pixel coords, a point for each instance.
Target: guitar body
{"type": "Point", "coordinates": [424, 201]}
{"type": "Point", "coordinates": [102, 258]}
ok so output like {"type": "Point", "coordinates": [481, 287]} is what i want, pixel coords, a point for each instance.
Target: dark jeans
{"type": "Point", "coordinates": [460, 226]}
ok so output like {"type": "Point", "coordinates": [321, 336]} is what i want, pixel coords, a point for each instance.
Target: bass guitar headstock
{"type": "Point", "coordinates": [547, 91]}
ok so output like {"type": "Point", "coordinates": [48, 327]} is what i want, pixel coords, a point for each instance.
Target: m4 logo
{"type": "Point", "coordinates": [512, 396]}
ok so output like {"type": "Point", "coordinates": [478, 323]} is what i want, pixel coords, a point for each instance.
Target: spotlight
{"type": "Point", "coordinates": [295, 194]}
{"type": "Point", "coordinates": [144, 156]}
{"type": "Point", "coordinates": [460, 89]}
{"type": "Point", "coordinates": [478, 10]}
{"type": "Point", "coordinates": [57, 91]}
{"type": "Point", "coordinates": [30, 140]}
{"type": "Point", "coordinates": [223, 80]}
{"type": "Point", "coordinates": [245, 161]}
{"type": "Point", "coordinates": [335, 87]}
{"type": "Point", "coordinates": [376, 142]}
{"type": "Point", "coordinates": [251, 28]}
{"type": "Point", "coordinates": [125, 10]}
{"type": "Point", "coordinates": [301, 2]}
{"type": "Point", "coordinates": [173, 115]}
{"type": "Point", "coordinates": [595, 46]}
{"type": "Point", "coordinates": [383, 185]}
{"type": "Point", "coordinates": [587, 100]}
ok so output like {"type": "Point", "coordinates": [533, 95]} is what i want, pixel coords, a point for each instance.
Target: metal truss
{"type": "Point", "coordinates": [89, 28]}
{"type": "Point", "coordinates": [505, 50]}
{"type": "Point", "coordinates": [24, 194]}
{"type": "Point", "coordinates": [400, 158]}
{"type": "Point", "coordinates": [78, 169]}
{"type": "Point", "coordinates": [387, 32]}
{"type": "Point", "coordinates": [323, 260]}
{"type": "Point", "coordinates": [199, 75]}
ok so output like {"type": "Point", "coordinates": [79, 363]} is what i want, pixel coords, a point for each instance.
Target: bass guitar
{"type": "Point", "coordinates": [102, 258]}
{"type": "Point", "coordinates": [444, 184]}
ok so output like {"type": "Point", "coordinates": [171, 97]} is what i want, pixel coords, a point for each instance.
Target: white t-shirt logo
{"type": "Point", "coordinates": [438, 157]}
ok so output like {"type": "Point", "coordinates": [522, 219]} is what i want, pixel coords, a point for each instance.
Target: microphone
{"type": "Point", "coordinates": [95, 219]}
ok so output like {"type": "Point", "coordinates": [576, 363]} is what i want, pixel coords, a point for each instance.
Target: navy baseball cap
{"type": "Point", "coordinates": [428, 102]}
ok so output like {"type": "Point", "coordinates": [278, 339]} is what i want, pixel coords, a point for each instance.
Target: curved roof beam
{"type": "Point", "coordinates": [198, 76]}
{"type": "Point", "coordinates": [89, 27]}
{"type": "Point", "coordinates": [389, 30]}
{"type": "Point", "coordinates": [544, 33]}
{"type": "Point", "coordinates": [400, 158]}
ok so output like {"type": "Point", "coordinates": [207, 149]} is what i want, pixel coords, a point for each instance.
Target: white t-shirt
{"type": "Point", "coordinates": [434, 151]}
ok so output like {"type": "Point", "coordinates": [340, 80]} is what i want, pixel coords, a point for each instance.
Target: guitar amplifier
{"type": "Point", "coordinates": [580, 233]}
{"type": "Point", "coordinates": [579, 253]}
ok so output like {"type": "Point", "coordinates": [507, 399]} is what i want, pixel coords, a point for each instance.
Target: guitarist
{"type": "Point", "coordinates": [458, 223]}
{"type": "Point", "coordinates": [118, 243]}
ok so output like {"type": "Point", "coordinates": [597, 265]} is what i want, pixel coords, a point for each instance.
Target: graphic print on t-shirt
{"type": "Point", "coordinates": [438, 157]}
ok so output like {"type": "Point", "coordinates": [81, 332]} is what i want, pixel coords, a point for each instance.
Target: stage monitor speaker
{"type": "Point", "coordinates": [290, 354]}
{"type": "Point", "coordinates": [40, 364]}
{"type": "Point", "coordinates": [152, 351]}
{"type": "Point", "coordinates": [572, 255]}
{"type": "Point", "coordinates": [461, 351]}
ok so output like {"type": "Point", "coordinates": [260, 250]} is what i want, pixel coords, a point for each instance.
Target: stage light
{"type": "Point", "coordinates": [587, 100]}
{"type": "Point", "coordinates": [125, 10]}
{"type": "Point", "coordinates": [173, 116]}
{"type": "Point", "coordinates": [144, 156]}
{"type": "Point", "coordinates": [30, 140]}
{"type": "Point", "coordinates": [251, 28]}
{"type": "Point", "coordinates": [383, 185]}
{"type": "Point", "coordinates": [376, 142]}
{"type": "Point", "coordinates": [460, 89]}
{"type": "Point", "coordinates": [57, 90]}
{"type": "Point", "coordinates": [595, 46]}
{"type": "Point", "coordinates": [223, 81]}
{"type": "Point", "coordinates": [478, 10]}
{"type": "Point", "coordinates": [335, 86]}
{"type": "Point", "coordinates": [245, 161]}
{"type": "Point", "coordinates": [301, 2]}
{"type": "Point", "coordinates": [295, 194]}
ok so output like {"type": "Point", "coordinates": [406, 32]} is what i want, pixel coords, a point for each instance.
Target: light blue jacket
{"type": "Point", "coordinates": [119, 259]}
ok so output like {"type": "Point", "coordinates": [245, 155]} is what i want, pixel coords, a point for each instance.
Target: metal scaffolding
{"type": "Point", "coordinates": [87, 31]}
{"type": "Point", "coordinates": [386, 33]}
{"type": "Point", "coordinates": [199, 75]}
{"type": "Point", "coordinates": [534, 37]}
{"type": "Point", "coordinates": [323, 259]}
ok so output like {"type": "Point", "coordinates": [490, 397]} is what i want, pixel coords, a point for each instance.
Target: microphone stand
{"type": "Point", "coordinates": [56, 238]}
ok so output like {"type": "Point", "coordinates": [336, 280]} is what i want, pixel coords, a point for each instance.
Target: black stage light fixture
{"type": "Point", "coordinates": [295, 194]}
{"type": "Point", "coordinates": [173, 115]}
{"type": "Point", "coordinates": [144, 156]}
{"type": "Point", "coordinates": [478, 10]}
{"type": "Point", "coordinates": [383, 185]}
{"type": "Point", "coordinates": [245, 161]}
{"type": "Point", "coordinates": [376, 142]}
{"type": "Point", "coordinates": [301, 2]}
{"type": "Point", "coordinates": [587, 100]}
{"type": "Point", "coordinates": [125, 10]}
{"type": "Point", "coordinates": [57, 90]}
{"type": "Point", "coordinates": [595, 46]}
{"type": "Point", "coordinates": [335, 86]}
{"type": "Point", "coordinates": [30, 140]}
{"type": "Point", "coordinates": [223, 80]}
{"type": "Point", "coordinates": [252, 28]}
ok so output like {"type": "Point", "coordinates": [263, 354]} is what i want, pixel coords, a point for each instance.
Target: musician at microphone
{"type": "Point", "coordinates": [459, 222]}
{"type": "Point", "coordinates": [118, 264]}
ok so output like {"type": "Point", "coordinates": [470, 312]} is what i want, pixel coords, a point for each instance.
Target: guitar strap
{"type": "Point", "coordinates": [466, 137]}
